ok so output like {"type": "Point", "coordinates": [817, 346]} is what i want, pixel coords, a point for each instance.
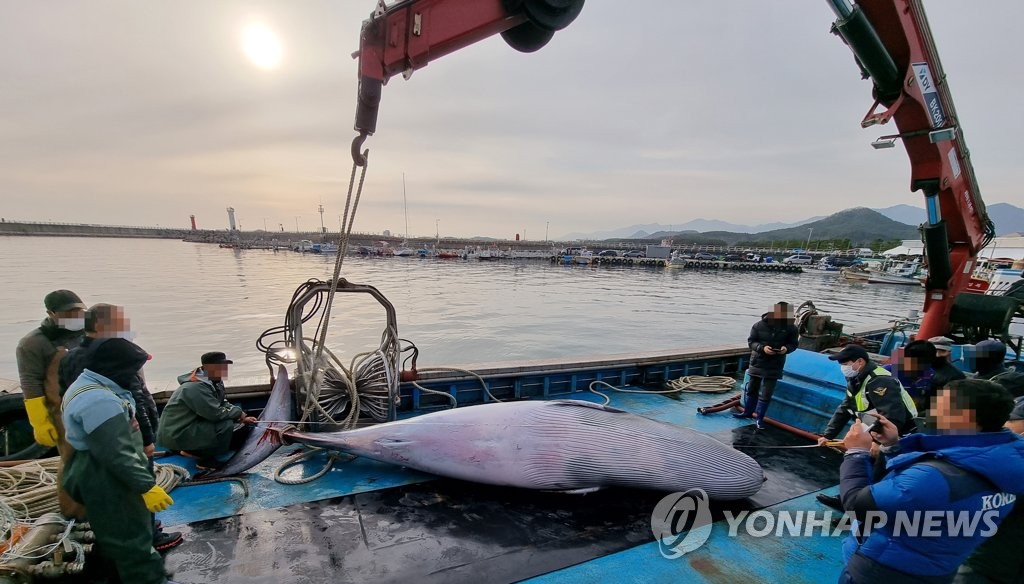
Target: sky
{"type": "Point", "coordinates": [143, 113]}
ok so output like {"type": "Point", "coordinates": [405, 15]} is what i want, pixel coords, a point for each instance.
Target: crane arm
{"type": "Point", "coordinates": [892, 41]}
{"type": "Point", "coordinates": [409, 34]}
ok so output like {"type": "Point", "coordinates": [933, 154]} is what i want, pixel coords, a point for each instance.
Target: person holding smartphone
{"type": "Point", "coordinates": [970, 469]}
{"type": "Point", "coordinates": [770, 340]}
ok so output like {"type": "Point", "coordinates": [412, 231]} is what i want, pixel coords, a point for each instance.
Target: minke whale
{"type": "Point", "coordinates": [562, 445]}
{"type": "Point", "coordinates": [257, 448]}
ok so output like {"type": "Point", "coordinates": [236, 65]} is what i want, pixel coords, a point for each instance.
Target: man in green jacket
{"type": "Point", "coordinates": [59, 331]}
{"type": "Point", "coordinates": [198, 420]}
{"type": "Point", "coordinates": [108, 472]}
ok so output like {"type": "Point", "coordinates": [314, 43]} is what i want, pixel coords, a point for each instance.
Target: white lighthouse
{"type": "Point", "coordinates": [231, 218]}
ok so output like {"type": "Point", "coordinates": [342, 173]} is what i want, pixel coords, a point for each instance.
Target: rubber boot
{"type": "Point", "coordinates": [762, 407]}
{"type": "Point", "coordinates": [748, 407]}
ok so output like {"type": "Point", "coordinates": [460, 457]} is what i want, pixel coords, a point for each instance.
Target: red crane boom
{"type": "Point", "coordinates": [890, 39]}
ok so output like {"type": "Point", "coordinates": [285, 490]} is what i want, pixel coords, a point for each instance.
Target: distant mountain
{"type": "Point", "coordinates": [908, 214]}
{"type": "Point", "coordinates": [891, 221]}
{"type": "Point", "coordinates": [859, 225]}
{"type": "Point", "coordinates": [1008, 218]}
{"type": "Point", "coordinates": [657, 230]}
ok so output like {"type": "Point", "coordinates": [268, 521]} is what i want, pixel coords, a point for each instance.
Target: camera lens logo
{"type": "Point", "coordinates": [681, 522]}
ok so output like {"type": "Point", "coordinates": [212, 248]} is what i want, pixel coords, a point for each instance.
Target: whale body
{"type": "Point", "coordinates": [563, 445]}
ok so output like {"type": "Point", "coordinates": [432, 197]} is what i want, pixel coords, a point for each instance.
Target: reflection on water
{"type": "Point", "coordinates": [184, 299]}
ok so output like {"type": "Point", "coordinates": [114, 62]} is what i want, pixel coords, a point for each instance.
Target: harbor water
{"type": "Point", "coordinates": [184, 299]}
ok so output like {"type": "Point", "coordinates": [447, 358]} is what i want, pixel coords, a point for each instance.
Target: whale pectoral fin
{"type": "Point", "coordinates": [585, 404]}
{"type": "Point", "coordinates": [577, 491]}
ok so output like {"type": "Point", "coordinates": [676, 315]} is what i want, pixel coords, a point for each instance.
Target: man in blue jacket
{"type": "Point", "coordinates": [944, 493]}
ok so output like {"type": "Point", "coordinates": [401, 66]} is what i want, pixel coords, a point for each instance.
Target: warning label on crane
{"type": "Point", "coordinates": [930, 93]}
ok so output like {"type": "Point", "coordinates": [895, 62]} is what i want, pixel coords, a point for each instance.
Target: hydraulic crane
{"type": "Point", "coordinates": [891, 42]}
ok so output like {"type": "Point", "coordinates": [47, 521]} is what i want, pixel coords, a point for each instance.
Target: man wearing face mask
{"type": "Point", "coordinates": [869, 387]}
{"type": "Point", "coordinates": [107, 343]}
{"type": "Point", "coordinates": [59, 331]}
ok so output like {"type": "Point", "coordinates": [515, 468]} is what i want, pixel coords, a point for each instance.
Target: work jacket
{"type": "Point", "coordinates": [35, 351]}
{"type": "Point", "coordinates": [968, 482]}
{"type": "Point", "coordinates": [1011, 379]}
{"type": "Point", "coordinates": [119, 360]}
{"type": "Point", "coordinates": [98, 419]}
{"type": "Point", "coordinates": [874, 388]}
{"type": "Point", "coordinates": [197, 416]}
{"type": "Point", "coordinates": [769, 332]}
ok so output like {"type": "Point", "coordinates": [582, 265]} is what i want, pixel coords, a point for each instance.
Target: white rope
{"type": "Point", "coordinates": [702, 384]}
{"type": "Point", "coordinates": [348, 220]}
{"type": "Point", "coordinates": [681, 385]}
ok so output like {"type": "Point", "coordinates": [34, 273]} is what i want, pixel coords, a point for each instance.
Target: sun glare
{"type": "Point", "coordinates": [261, 46]}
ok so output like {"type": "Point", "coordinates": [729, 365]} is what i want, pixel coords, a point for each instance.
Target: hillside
{"type": "Point", "coordinates": [859, 225]}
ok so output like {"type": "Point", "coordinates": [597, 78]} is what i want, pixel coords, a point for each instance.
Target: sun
{"type": "Point", "coordinates": [261, 46]}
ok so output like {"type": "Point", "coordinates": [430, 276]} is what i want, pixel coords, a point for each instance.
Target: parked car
{"type": "Point", "coordinates": [609, 253]}
{"type": "Point", "coordinates": [634, 253]}
{"type": "Point", "coordinates": [839, 261]}
{"type": "Point", "coordinates": [734, 257]}
{"type": "Point", "coordinates": [701, 255]}
{"type": "Point", "coordinates": [799, 259]}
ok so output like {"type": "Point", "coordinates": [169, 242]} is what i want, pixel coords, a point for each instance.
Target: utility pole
{"type": "Point", "coordinates": [322, 228]}
{"type": "Point", "coordinates": [546, 225]}
{"type": "Point", "coordinates": [297, 223]}
{"type": "Point", "coordinates": [437, 230]}
{"type": "Point", "coordinates": [807, 245]}
{"type": "Point", "coordinates": [264, 224]}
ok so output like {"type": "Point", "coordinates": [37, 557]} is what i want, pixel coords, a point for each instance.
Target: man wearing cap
{"type": "Point", "coordinates": [945, 371]}
{"type": "Point", "coordinates": [989, 362]}
{"type": "Point", "coordinates": [59, 331]}
{"type": "Point", "coordinates": [999, 560]}
{"type": "Point", "coordinates": [198, 420]}
{"type": "Point", "coordinates": [868, 387]}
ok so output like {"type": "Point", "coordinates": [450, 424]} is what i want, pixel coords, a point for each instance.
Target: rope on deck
{"type": "Point", "coordinates": [702, 384]}
{"type": "Point", "coordinates": [29, 490]}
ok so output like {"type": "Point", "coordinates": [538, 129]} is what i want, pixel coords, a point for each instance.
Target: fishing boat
{"type": "Point", "coordinates": [855, 273]}
{"type": "Point", "coordinates": [905, 273]}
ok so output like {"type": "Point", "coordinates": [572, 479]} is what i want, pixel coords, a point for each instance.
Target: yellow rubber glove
{"type": "Point", "coordinates": [156, 499]}
{"type": "Point", "coordinates": [43, 429]}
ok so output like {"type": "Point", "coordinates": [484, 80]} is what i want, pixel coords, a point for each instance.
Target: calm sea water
{"type": "Point", "coordinates": [185, 298]}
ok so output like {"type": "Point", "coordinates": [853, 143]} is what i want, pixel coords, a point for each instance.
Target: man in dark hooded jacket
{"type": "Point", "coordinates": [770, 340]}
{"type": "Point", "coordinates": [106, 349]}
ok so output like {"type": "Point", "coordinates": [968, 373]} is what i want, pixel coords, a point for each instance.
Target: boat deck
{"type": "Point", "coordinates": [367, 521]}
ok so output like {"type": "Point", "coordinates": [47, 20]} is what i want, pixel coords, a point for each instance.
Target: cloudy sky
{"type": "Point", "coordinates": [143, 113]}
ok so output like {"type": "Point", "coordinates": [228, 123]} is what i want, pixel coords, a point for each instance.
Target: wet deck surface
{"type": "Point", "coordinates": [452, 531]}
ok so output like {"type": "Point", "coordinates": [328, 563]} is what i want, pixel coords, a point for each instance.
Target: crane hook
{"type": "Point", "coordinates": [359, 158]}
